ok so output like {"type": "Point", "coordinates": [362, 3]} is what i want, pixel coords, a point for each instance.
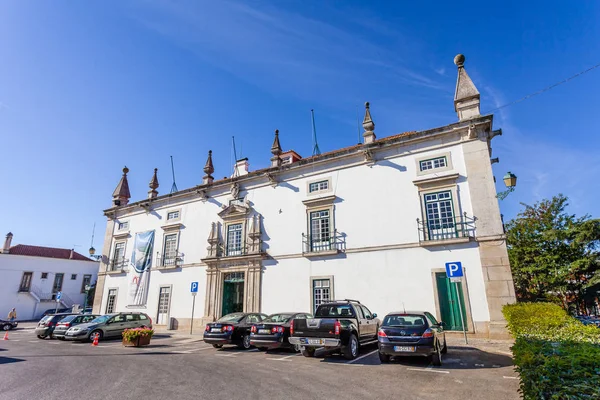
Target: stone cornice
{"type": "Point", "coordinates": [449, 178]}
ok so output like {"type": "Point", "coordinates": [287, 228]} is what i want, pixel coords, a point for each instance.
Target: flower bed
{"type": "Point", "coordinates": [556, 356]}
{"type": "Point", "coordinates": [137, 337]}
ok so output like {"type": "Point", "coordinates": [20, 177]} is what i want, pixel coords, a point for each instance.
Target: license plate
{"type": "Point", "coordinates": [264, 331]}
{"type": "Point", "coordinates": [405, 349]}
{"type": "Point", "coordinates": [215, 330]}
{"type": "Point", "coordinates": [315, 341]}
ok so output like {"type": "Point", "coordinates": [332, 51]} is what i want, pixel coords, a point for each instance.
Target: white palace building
{"type": "Point", "coordinates": [376, 222]}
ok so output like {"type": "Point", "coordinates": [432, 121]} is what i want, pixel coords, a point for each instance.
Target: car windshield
{"type": "Point", "coordinates": [335, 310]}
{"type": "Point", "coordinates": [235, 317]}
{"type": "Point", "coordinates": [46, 318]}
{"type": "Point", "coordinates": [279, 318]}
{"type": "Point", "coordinates": [69, 318]}
{"type": "Point", "coordinates": [404, 320]}
{"type": "Point", "coordinates": [101, 320]}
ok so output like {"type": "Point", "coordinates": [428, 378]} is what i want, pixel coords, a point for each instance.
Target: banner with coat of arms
{"type": "Point", "coordinates": [139, 271]}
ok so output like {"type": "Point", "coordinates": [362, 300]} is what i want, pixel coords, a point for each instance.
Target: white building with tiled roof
{"type": "Point", "coordinates": [33, 275]}
{"type": "Point", "coordinates": [375, 222]}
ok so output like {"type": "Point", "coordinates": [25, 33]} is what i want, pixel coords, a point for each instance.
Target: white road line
{"type": "Point", "coordinates": [13, 340]}
{"type": "Point", "coordinates": [282, 358]}
{"type": "Point", "coordinates": [428, 370]}
{"type": "Point", "coordinates": [510, 377]}
{"type": "Point", "coordinates": [361, 357]}
{"type": "Point", "coordinates": [54, 343]}
{"type": "Point", "coordinates": [34, 341]}
{"type": "Point", "coordinates": [225, 355]}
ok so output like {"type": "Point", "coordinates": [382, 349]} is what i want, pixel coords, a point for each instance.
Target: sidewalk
{"type": "Point", "coordinates": [487, 345]}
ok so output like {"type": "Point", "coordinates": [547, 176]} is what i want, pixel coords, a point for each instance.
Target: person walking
{"type": "Point", "coordinates": [12, 315]}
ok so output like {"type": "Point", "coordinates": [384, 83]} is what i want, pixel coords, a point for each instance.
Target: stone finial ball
{"type": "Point", "coordinates": [367, 104]}
{"type": "Point", "coordinates": [459, 60]}
{"type": "Point", "coordinates": [125, 170]}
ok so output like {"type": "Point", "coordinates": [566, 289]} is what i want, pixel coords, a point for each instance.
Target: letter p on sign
{"type": "Point", "coordinates": [454, 269]}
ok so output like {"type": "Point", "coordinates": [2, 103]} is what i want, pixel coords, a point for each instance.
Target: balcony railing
{"type": "Point", "coordinates": [118, 264]}
{"type": "Point", "coordinates": [169, 260]}
{"type": "Point", "coordinates": [322, 243]}
{"type": "Point", "coordinates": [232, 251]}
{"type": "Point", "coordinates": [457, 226]}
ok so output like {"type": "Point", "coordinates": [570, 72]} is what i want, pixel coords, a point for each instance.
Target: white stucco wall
{"type": "Point", "coordinates": [11, 273]}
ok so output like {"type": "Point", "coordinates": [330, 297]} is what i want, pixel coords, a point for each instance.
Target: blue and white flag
{"type": "Point", "coordinates": [139, 273]}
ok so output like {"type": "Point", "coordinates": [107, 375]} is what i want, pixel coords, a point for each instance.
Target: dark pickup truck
{"type": "Point", "coordinates": [342, 325]}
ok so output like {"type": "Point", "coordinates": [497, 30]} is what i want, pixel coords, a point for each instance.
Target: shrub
{"type": "Point", "coordinates": [556, 356]}
{"type": "Point", "coordinates": [132, 334]}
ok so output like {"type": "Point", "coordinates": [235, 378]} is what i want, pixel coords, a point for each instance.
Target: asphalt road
{"type": "Point", "coordinates": [187, 368]}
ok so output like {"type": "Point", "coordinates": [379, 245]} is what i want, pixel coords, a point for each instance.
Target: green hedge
{"type": "Point", "coordinates": [556, 356]}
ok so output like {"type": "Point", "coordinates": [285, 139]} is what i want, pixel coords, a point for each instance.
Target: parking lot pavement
{"type": "Point", "coordinates": [186, 367]}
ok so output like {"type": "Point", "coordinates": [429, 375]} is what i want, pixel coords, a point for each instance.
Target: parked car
{"type": "Point", "coordinates": [8, 325]}
{"type": "Point", "coordinates": [47, 324]}
{"type": "Point", "coordinates": [588, 320]}
{"type": "Point", "coordinates": [51, 311]}
{"type": "Point", "coordinates": [274, 331]}
{"type": "Point", "coordinates": [69, 321]}
{"type": "Point", "coordinates": [414, 333]}
{"type": "Point", "coordinates": [232, 328]}
{"type": "Point", "coordinates": [338, 326]}
{"type": "Point", "coordinates": [108, 326]}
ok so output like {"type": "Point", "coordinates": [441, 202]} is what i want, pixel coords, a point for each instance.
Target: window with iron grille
{"type": "Point", "coordinates": [433, 163]}
{"type": "Point", "coordinates": [318, 186]}
{"type": "Point", "coordinates": [26, 282]}
{"type": "Point", "coordinates": [170, 250]}
{"type": "Point", "coordinates": [234, 239]}
{"type": "Point", "coordinates": [119, 254]}
{"type": "Point", "coordinates": [321, 292]}
{"type": "Point", "coordinates": [87, 280]}
{"type": "Point", "coordinates": [110, 302]}
{"type": "Point", "coordinates": [438, 207]}
{"type": "Point", "coordinates": [320, 230]}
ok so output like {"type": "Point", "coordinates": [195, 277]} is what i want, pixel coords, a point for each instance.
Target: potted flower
{"type": "Point", "coordinates": [137, 337]}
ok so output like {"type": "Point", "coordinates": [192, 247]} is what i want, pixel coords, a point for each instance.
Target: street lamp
{"type": "Point", "coordinates": [92, 252]}
{"type": "Point", "coordinates": [510, 180]}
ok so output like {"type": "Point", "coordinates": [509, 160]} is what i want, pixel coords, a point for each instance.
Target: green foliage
{"type": "Point", "coordinates": [554, 256]}
{"type": "Point", "coordinates": [556, 356]}
{"type": "Point", "coordinates": [131, 335]}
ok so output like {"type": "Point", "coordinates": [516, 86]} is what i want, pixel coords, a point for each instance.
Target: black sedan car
{"type": "Point", "coordinates": [274, 331]}
{"type": "Point", "coordinates": [232, 329]}
{"type": "Point", "coordinates": [8, 325]}
{"type": "Point", "coordinates": [414, 333]}
{"type": "Point", "coordinates": [69, 321]}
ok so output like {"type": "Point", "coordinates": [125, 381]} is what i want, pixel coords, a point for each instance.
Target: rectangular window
{"type": "Point", "coordinates": [44, 275]}
{"type": "Point", "coordinates": [234, 239]}
{"type": "Point", "coordinates": [123, 225]}
{"type": "Point", "coordinates": [26, 282]}
{"type": "Point", "coordinates": [320, 230]}
{"type": "Point", "coordinates": [439, 162]}
{"type": "Point", "coordinates": [118, 256]}
{"type": "Point", "coordinates": [172, 215]}
{"type": "Point", "coordinates": [73, 277]}
{"type": "Point", "coordinates": [170, 250]}
{"type": "Point", "coordinates": [87, 280]}
{"type": "Point", "coordinates": [111, 300]}
{"type": "Point", "coordinates": [440, 215]}
{"type": "Point", "coordinates": [321, 292]}
{"type": "Point", "coordinates": [318, 186]}
{"type": "Point", "coordinates": [58, 283]}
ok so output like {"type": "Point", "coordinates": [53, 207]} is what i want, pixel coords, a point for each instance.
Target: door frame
{"type": "Point", "coordinates": [168, 305]}
{"type": "Point", "coordinates": [466, 297]}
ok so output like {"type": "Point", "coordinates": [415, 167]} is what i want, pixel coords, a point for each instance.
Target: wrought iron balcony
{"type": "Point", "coordinates": [171, 259]}
{"type": "Point", "coordinates": [118, 264]}
{"type": "Point", "coordinates": [232, 251]}
{"type": "Point", "coordinates": [446, 228]}
{"type": "Point", "coordinates": [322, 243]}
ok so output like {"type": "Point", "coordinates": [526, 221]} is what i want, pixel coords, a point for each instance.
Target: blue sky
{"type": "Point", "coordinates": [88, 87]}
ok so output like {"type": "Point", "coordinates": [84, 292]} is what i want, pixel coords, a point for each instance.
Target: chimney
{"type": "Point", "coordinates": [466, 95]}
{"type": "Point", "coordinates": [241, 167]}
{"type": "Point", "coordinates": [368, 126]}
{"type": "Point", "coordinates": [208, 170]}
{"type": "Point", "coordinates": [7, 242]}
{"type": "Point", "coordinates": [71, 255]}
{"type": "Point", "coordinates": [276, 151]}
{"type": "Point", "coordinates": [153, 193]}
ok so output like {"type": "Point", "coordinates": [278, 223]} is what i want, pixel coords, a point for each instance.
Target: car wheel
{"type": "Point", "coordinates": [350, 351]}
{"type": "Point", "coordinates": [308, 352]}
{"type": "Point", "coordinates": [6, 327]}
{"type": "Point", "coordinates": [246, 342]}
{"type": "Point", "coordinates": [445, 348]}
{"type": "Point", "coordinates": [97, 331]}
{"type": "Point", "coordinates": [384, 358]}
{"type": "Point", "coordinates": [436, 358]}
{"type": "Point", "coordinates": [217, 346]}
{"type": "Point", "coordinates": [41, 337]}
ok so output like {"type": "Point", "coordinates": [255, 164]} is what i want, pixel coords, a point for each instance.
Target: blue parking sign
{"type": "Point", "coordinates": [454, 269]}
{"type": "Point", "coordinates": [58, 296]}
{"type": "Point", "coordinates": [194, 287]}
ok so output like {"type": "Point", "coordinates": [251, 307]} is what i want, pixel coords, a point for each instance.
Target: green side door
{"type": "Point", "coordinates": [449, 294]}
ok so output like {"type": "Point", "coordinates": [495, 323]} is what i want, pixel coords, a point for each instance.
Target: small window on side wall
{"type": "Point", "coordinates": [44, 275]}
{"type": "Point", "coordinates": [73, 277]}
{"type": "Point", "coordinates": [123, 225]}
{"type": "Point", "coordinates": [318, 186]}
{"type": "Point", "coordinates": [434, 163]}
{"type": "Point", "coordinates": [172, 215]}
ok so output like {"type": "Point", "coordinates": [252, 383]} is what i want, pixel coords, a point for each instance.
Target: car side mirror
{"type": "Point", "coordinates": [374, 315]}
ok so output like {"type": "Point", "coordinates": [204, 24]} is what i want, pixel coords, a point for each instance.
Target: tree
{"type": "Point", "coordinates": [554, 255]}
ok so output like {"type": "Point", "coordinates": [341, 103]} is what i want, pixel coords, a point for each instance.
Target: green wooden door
{"type": "Point", "coordinates": [233, 293]}
{"type": "Point", "coordinates": [449, 294]}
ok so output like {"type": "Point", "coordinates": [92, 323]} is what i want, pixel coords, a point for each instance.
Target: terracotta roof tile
{"type": "Point", "coordinates": [49, 252]}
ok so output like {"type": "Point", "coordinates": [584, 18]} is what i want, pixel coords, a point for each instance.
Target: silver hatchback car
{"type": "Point", "coordinates": [108, 326]}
